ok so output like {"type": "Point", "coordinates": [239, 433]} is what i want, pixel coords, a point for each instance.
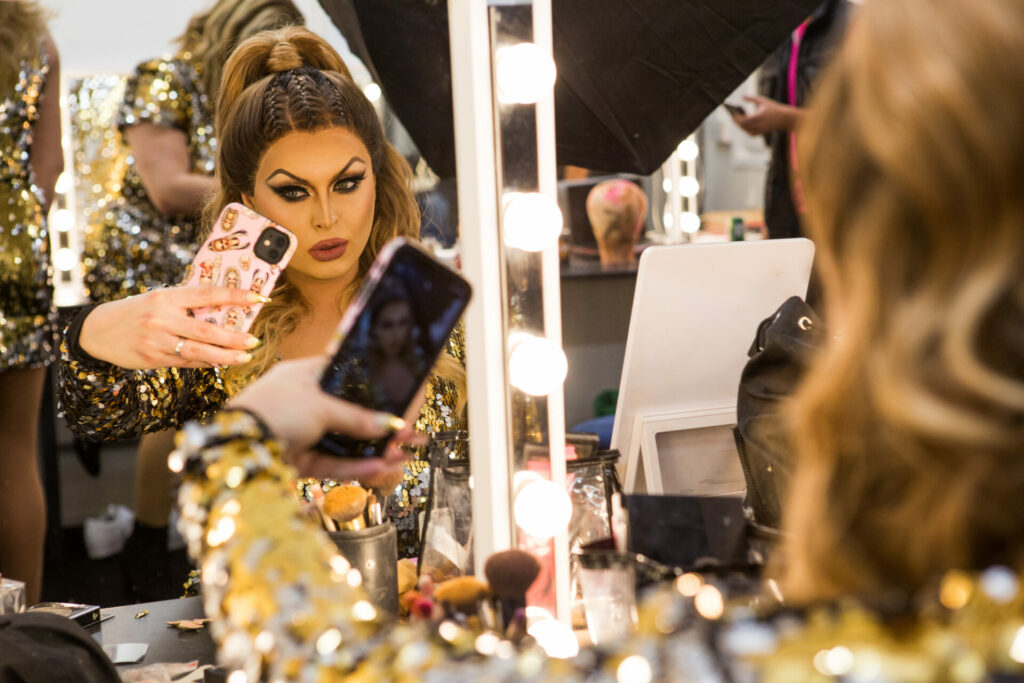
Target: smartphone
{"type": "Point", "coordinates": [244, 251]}
{"type": "Point", "coordinates": [390, 337]}
{"type": "Point", "coordinates": [735, 109]}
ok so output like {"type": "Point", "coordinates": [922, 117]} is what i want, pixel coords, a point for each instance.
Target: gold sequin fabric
{"type": "Point", "coordinates": [102, 402]}
{"type": "Point", "coordinates": [133, 247]}
{"type": "Point", "coordinates": [27, 315]}
{"type": "Point", "coordinates": [285, 606]}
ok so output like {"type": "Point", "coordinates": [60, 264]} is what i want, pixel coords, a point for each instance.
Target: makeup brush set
{"type": "Point", "coordinates": [345, 507]}
{"type": "Point", "coordinates": [499, 605]}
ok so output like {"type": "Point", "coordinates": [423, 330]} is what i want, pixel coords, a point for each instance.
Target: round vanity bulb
{"type": "Point", "coordinates": [688, 150]}
{"type": "Point", "coordinates": [63, 185]}
{"type": "Point", "coordinates": [524, 72]}
{"type": "Point", "coordinates": [372, 91]}
{"type": "Point", "coordinates": [531, 221]}
{"type": "Point", "coordinates": [689, 186]}
{"type": "Point", "coordinates": [556, 637]}
{"type": "Point", "coordinates": [64, 259]}
{"type": "Point", "coordinates": [62, 220]}
{"type": "Point", "coordinates": [537, 366]}
{"type": "Point", "coordinates": [689, 222]}
{"type": "Point", "coordinates": [542, 509]}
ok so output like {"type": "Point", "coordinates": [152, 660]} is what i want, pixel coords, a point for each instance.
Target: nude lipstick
{"type": "Point", "coordinates": [328, 250]}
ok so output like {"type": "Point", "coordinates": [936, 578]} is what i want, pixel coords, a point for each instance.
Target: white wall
{"type": "Point", "coordinates": [114, 35]}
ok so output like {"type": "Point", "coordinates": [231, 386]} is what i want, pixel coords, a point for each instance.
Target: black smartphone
{"type": "Point", "coordinates": [735, 109]}
{"type": "Point", "coordinates": [390, 337]}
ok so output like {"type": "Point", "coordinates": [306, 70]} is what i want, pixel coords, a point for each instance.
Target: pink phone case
{"type": "Point", "coordinates": [228, 259]}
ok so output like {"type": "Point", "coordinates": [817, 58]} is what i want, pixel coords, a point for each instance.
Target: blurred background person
{"type": "Point", "coordinates": [908, 427]}
{"type": "Point", "coordinates": [786, 83]}
{"type": "Point", "coordinates": [30, 161]}
{"type": "Point", "coordinates": [152, 228]}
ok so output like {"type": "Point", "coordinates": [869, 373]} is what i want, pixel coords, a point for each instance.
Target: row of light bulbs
{"type": "Point", "coordinates": [531, 222]}
{"type": "Point", "coordinates": [688, 186]}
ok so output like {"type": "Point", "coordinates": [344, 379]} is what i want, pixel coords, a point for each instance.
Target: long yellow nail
{"type": "Point", "coordinates": [255, 298]}
{"type": "Point", "coordinates": [243, 357]}
{"type": "Point", "coordinates": [252, 342]}
{"type": "Point", "coordinates": [390, 422]}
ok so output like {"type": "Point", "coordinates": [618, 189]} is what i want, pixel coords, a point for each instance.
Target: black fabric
{"type": "Point", "coordinates": [823, 37]}
{"type": "Point", "coordinates": [46, 648]}
{"type": "Point", "coordinates": [634, 76]}
{"type": "Point", "coordinates": [782, 350]}
{"type": "Point", "coordinates": [73, 332]}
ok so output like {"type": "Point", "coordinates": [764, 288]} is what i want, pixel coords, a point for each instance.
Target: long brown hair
{"type": "Point", "coordinates": [22, 26]}
{"type": "Point", "coordinates": [292, 80]}
{"type": "Point", "coordinates": [909, 429]}
{"type": "Point", "coordinates": [211, 35]}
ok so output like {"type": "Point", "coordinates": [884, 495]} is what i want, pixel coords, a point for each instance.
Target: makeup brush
{"type": "Point", "coordinates": [345, 504]}
{"type": "Point", "coordinates": [510, 574]}
{"type": "Point", "coordinates": [316, 492]}
{"type": "Point", "coordinates": [461, 593]}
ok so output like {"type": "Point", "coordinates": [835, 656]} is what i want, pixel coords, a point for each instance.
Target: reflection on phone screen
{"type": "Point", "coordinates": [398, 335]}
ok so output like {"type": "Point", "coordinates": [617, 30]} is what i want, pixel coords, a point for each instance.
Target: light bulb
{"type": "Point", "coordinates": [556, 637]}
{"type": "Point", "coordinates": [524, 72]}
{"type": "Point", "coordinates": [634, 669]}
{"type": "Point", "coordinates": [372, 92]}
{"type": "Point", "coordinates": [668, 220]}
{"type": "Point", "coordinates": [537, 366]}
{"type": "Point", "coordinates": [689, 186]}
{"type": "Point", "coordinates": [666, 185]}
{"type": "Point", "coordinates": [64, 259]}
{"type": "Point", "coordinates": [689, 222]}
{"type": "Point", "coordinates": [531, 221]}
{"type": "Point", "coordinates": [688, 150]}
{"type": "Point", "coordinates": [63, 185]}
{"type": "Point", "coordinates": [62, 220]}
{"type": "Point", "coordinates": [542, 509]}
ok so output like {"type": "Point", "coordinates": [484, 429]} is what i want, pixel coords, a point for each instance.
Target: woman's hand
{"type": "Point", "coordinates": [154, 330]}
{"type": "Point", "coordinates": [768, 116]}
{"type": "Point", "coordinates": [291, 403]}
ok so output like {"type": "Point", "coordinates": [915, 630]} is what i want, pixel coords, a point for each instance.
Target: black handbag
{"type": "Point", "coordinates": [37, 647]}
{"type": "Point", "coordinates": [782, 350]}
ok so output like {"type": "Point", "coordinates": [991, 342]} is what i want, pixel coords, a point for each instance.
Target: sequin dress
{"type": "Point", "coordinates": [136, 247]}
{"type": "Point", "coordinates": [27, 315]}
{"type": "Point", "coordinates": [104, 402]}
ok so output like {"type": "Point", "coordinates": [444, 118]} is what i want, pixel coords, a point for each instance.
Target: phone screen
{"type": "Point", "coordinates": [405, 313]}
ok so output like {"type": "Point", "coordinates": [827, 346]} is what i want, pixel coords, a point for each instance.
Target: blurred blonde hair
{"type": "Point", "coordinates": [908, 429]}
{"type": "Point", "coordinates": [211, 35]}
{"type": "Point", "coordinates": [22, 27]}
{"type": "Point", "coordinates": [286, 80]}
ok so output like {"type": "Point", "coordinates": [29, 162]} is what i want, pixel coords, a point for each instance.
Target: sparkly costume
{"type": "Point", "coordinates": [285, 606]}
{"type": "Point", "coordinates": [134, 247]}
{"type": "Point", "coordinates": [27, 316]}
{"type": "Point", "coordinates": [105, 402]}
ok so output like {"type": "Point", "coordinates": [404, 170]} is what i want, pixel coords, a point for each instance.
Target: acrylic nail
{"type": "Point", "coordinates": [252, 342]}
{"type": "Point", "coordinates": [243, 358]}
{"type": "Point", "coordinates": [389, 422]}
{"type": "Point", "coordinates": [255, 298]}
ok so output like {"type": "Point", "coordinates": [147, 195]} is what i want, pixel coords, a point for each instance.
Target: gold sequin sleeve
{"type": "Point", "coordinates": [104, 402]}
{"type": "Point", "coordinates": [440, 412]}
{"type": "Point", "coordinates": [155, 94]}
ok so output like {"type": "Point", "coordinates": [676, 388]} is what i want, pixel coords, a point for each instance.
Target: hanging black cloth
{"type": "Point", "coordinates": [635, 77]}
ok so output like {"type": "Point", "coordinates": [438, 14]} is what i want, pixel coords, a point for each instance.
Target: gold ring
{"type": "Point", "coordinates": [178, 346]}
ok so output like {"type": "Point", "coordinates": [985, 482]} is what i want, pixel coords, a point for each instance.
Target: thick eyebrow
{"type": "Point", "coordinates": [297, 179]}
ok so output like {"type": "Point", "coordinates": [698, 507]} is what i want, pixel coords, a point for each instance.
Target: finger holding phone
{"type": "Point", "coordinates": [766, 117]}
{"type": "Point", "coordinates": [155, 330]}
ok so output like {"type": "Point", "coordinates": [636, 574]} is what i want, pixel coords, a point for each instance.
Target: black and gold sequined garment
{"type": "Point", "coordinates": [103, 402]}
{"type": "Point", "coordinates": [132, 247]}
{"type": "Point", "coordinates": [27, 316]}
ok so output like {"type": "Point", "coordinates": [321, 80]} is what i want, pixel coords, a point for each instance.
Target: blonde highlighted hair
{"type": "Point", "coordinates": [290, 80]}
{"type": "Point", "coordinates": [211, 35]}
{"type": "Point", "coordinates": [908, 429]}
{"type": "Point", "coordinates": [22, 27]}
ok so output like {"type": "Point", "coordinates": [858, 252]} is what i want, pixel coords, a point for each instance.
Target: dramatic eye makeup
{"type": "Point", "coordinates": [344, 181]}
